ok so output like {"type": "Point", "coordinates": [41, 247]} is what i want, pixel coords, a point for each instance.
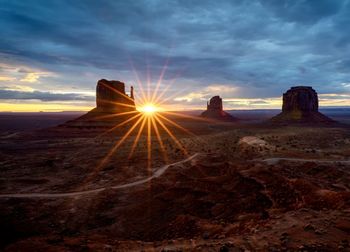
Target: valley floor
{"type": "Point", "coordinates": [232, 187]}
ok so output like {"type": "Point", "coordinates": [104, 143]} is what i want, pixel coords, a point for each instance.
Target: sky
{"type": "Point", "coordinates": [52, 53]}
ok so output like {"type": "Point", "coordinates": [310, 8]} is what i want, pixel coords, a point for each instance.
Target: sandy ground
{"type": "Point", "coordinates": [250, 188]}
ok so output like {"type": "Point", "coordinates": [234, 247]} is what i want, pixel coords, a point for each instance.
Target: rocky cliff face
{"type": "Point", "coordinates": [111, 97]}
{"type": "Point", "coordinates": [215, 103]}
{"type": "Point", "coordinates": [111, 100]}
{"type": "Point", "coordinates": [300, 105]}
{"type": "Point", "coordinates": [215, 110]}
{"type": "Point", "coordinates": [301, 99]}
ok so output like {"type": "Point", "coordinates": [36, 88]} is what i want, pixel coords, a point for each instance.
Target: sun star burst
{"type": "Point", "coordinates": [149, 120]}
{"type": "Point", "coordinates": [149, 108]}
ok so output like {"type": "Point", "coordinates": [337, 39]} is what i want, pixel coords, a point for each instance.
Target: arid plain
{"type": "Point", "coordinates": [228, 186]}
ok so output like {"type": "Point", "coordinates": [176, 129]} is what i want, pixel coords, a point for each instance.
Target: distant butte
{"type": "Point", "coordinates": [300, 105]}
{"type": "Point", "coordinates": [215, 110]}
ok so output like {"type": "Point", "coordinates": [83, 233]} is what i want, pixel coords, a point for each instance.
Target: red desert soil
{"type": "Point", "coordinates": [228, 196]}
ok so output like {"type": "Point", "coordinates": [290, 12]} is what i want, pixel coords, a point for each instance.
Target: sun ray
{"type": "Point", "coordinates": [117, 91]}
{"type": "Point", "coordinates": [188, 116]}
{"type": "Point", "coordinates": [120, 124]}
{"type": "Point", "coordinates": [139, 84]}
{"type": "Point", "coordinates": [168, 86]}
{"type": "Point", "coordinates": [111, 152]}
{"type": "Point", "coordinates": [149, 143]}
{"type": "Point", "coordinates": [123, 104]}
{"type": "Point", "coordinates": [197, 139]}
{"type": "Point", "coordinates": [118, 103]}
{"type": "Point", "coordinates": [176, 125]}
{"type": "Point", "coordinates": [159, 138]}
{"type": "Point", "coordinates": [171, 135]}
{"type": "Point", "coordinates": [137, 138]}
{"type": "Point", "coordinates": [114, 115]}
{"type": "Point", "coordinates": [155, 92]}
{"type": "Point", "coordinates": [162, 94]}
{"type": "Point", "coordinates": [161, 76]}
{"type": "Point", "coordinates": [148, 82]}
{"type": "Point", "coordinates": [171, 96]}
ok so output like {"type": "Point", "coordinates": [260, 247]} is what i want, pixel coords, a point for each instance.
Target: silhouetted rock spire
{"type": "Point", "coordinates": [132, 92]}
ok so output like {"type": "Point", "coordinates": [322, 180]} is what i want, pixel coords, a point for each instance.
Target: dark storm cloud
{"type": "Point", "coordinates": [255, 45]}
{"type": "Point", "coordinates": [42, 96]}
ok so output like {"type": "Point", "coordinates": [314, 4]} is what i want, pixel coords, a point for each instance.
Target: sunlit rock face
{"type": "Point", "coordinates": [300, 105]}
{"type": "Point", "coordinates": [215, 110]}
{"type": "Point", "coordinates": [111, 103]}
{"type": "Point", "coordinates": [111, 97]}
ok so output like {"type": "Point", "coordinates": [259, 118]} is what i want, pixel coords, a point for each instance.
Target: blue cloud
{"type": "Point", "coordinates": [256, 45]}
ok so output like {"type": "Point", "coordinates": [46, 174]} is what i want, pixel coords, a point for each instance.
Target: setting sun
{"type": "Point", "coordinates": [149, 108]}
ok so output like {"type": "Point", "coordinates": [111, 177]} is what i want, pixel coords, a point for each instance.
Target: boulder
{"type": "Point", "coordinates": [252, 146]}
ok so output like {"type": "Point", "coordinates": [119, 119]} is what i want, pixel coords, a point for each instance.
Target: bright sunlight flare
{"type": "Point", "coordinates": [149, 108]}
{"type": "Point", "coordinates": [150, 120]}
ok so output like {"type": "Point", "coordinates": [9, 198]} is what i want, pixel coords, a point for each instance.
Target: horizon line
{"type": "Point", "coordinates": [184, 110]}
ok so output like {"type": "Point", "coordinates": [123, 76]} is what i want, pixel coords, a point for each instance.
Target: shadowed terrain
{"type": "Point", "coordinates": [236, 186]}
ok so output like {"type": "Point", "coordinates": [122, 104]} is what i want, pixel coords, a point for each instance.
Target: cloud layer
{"type": "Point", "coordinates": [42, 96]}
{"type": "Point", "coordinates": [256, 49]}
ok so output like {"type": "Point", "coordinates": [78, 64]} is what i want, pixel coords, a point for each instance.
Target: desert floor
{"type": "Point", "coordinates": [221, 187]}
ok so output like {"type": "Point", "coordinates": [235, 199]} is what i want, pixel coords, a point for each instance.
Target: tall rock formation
{"type": "Point", "coordinates": [111, 97]}
{"type": "Point", "coordinates": [300, 105]}
{"type": "Point", "coordinates": [215, 110]}
{"type": "Point", "coordinates": [300, 99]}
{"type": "Point", "coordinates": [111, 102]}
{"type": "Point", "coordinates": [215, 103]}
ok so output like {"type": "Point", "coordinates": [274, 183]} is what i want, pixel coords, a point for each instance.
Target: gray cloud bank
{"type": "Point", "coordinates": [42, 96]}
{"type": "Point", "coordinates": [262, 46]}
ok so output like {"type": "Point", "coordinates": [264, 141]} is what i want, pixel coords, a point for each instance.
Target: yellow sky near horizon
{"type": "Point", "coordinates": [195, 100]}
{"type": "Point", "coordinates": [24, 91]}
{"type": "Point", "coordinates": [44, 107]}
{"type": "Point", "coordinates": [229, 103]}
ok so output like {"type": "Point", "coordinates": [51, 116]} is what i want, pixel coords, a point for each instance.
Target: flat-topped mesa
{"type": "Point", "coordinates": [111, 97]}
{"type": "Point", "coordinates": [215, 110]}
{"type": "Point", "coordinates": [111, 103]}
{"type": "Point", "coordinates": [300, 98]}
{"type": "Point", "coordinates": [300, 105]}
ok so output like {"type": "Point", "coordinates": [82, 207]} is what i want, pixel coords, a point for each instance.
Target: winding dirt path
{"type": "Point", "coordinates": [156, 174]}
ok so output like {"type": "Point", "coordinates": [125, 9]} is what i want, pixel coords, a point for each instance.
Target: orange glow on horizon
{"type": "Point", "coordinates": [149, 108]}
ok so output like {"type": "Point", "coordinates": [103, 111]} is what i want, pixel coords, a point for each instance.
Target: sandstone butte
{"type": "Point", "coordinates": [215, 110]}
{"type": "Point", "coordinates": [300, 105]}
